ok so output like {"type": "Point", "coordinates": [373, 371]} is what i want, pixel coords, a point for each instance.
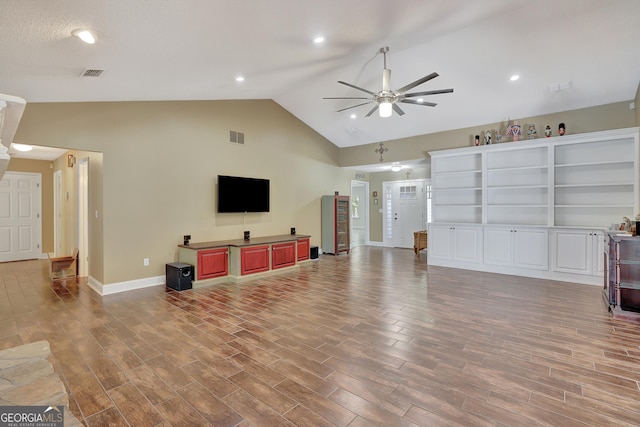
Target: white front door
{"type": "Point", "coordinates": [405, 211]}
{"type": "Point", "coordinates": [20, 218]}
{"type": "Point", "coordinates": [408, 212]}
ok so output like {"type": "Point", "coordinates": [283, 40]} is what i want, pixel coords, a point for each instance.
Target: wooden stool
{"type": "Point", "coordinates": [419, 241]}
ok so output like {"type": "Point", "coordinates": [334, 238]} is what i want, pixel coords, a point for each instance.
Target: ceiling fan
{"type": "Point", "coordinates": [387, 100]}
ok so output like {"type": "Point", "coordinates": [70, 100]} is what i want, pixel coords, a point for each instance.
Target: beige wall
{"type": "Point", "coordinates": [45, 169]}
{"type": "Point", "coordinates": [603, 117]}
{"type": "Point", "coordinates": [153, 167]}
{"type": "Point", "coordinates": [159, 167]}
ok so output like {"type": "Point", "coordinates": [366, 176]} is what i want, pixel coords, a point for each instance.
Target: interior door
{"type": "Point", "coordinates": [408, 212]}
{"type": "Point", "coordinates": [20, 218]}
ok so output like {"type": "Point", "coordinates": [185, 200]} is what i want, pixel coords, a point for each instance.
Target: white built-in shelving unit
{"type": "Point", "coordinates": [583, 182]}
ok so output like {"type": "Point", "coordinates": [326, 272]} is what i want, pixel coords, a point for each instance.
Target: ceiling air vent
{"type": "Point", "coordinates": [90, 72]}
{"type": "Point", "coordinates": [236, 137]}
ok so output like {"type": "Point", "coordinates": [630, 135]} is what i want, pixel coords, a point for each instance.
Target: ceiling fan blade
{"type": "Point", "coordinates": [397, 109]}
{"type": "Point", "coordinates": [353, 106]}
{"type": "Point", "coordinates": [356, 87]}
{"type": "Point", "coordinates": [373, 110]}
{"type": "Point", "coordinates": [417, 82]}
{"type": "Point", "coordinates": [348, 97]}
{"type": "Point", "coordinates": [414, 102]}
{"type": "Point", "coordinates": [429, 92]}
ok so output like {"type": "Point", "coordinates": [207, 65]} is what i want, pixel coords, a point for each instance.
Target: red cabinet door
{"type": "Point", "coordinates": [213, 263]}
{"type": "Point", "coordinates": [283, 255]}
{"type": "Point", "coordinates": [254, 259]}
{"type": "Point", "coordinates": [303, 249]}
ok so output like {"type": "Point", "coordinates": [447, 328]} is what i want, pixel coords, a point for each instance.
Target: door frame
{"type": "Point", "coordinates": [57, 212]}
{"type": "Point", "coordinates": [389, 186]}
{"type": "Point", "coordinates": [83, 217]}
{"type": "Point", "coordinates": [364, 211]}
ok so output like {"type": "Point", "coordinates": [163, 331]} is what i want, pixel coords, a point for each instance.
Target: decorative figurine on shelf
{"type": "Point", "coordinates": [514, 130]}
{"type": "Point", "coordinates": [487, 138]}
{"type": "Point", "coordinates": [547, 132]}
{"type": "Point", "coordinates": [561, 129]}
{"type": "Point", "coordinates": [498, 136]}
{"type": "Point", "coordinates": [532, 132]}
{"type": "Point", "coordinates": [476, 140]}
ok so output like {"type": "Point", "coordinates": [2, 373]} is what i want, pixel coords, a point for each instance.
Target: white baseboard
{"type": "Point", "coordinates": [114, 288]}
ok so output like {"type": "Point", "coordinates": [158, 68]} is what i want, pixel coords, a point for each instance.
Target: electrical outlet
{"type": "Point", "coordinates": [146, 262]}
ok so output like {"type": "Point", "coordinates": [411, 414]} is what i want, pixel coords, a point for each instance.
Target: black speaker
{"type": "Point", "coordinates": [313, 252]}
{"type": "Point", "coordinates": [179, 276]}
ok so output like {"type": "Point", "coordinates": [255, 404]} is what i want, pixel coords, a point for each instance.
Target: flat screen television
{"type": "Point", "coordinates": [241, 194]}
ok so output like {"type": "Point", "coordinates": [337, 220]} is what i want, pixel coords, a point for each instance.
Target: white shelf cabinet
{"type": "Point", "coordinates": [517, 186]}
{"type": "Point", "coordinates": [595, 182]}
{"type": "Point", "coordinates": [457, 181]}
{"type": "Point", "coordinates": [459, 242]}
{"type": "Point", "coordinates": [578, 251]}
{"type": "Point", "coordinates": [520, 247]}
{"type": "Point", "coordinates": [572, 186]}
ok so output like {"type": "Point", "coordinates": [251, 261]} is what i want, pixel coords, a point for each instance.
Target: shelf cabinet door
{"type": "Point", "coordinates": [303, 249]}
{"type": "Point", "coordinates": [531, 248]}
{"type": "Point", "coordinates": [283, 255]}
{"type": "Point", "coordinates": [213, 263]}
{"type": "Point", "coordinates": [254, 259]}
{"type": "Point", "coordinates": [575, 251]}
{"type": "Point", "coordinates": [498, 246]}
{"type": "Point", "coordinates": [467, 245]}
{"type": "Point", "coordinates": [440, 242]}
{"type": "Point", "coordinates": [455, 243]}
{"type": "Point", "coordinates": [517, 247]}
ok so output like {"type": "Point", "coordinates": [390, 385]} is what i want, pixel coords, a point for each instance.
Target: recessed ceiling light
{"type": "Point", "coordinates": [239, 79]}
{"type": "Point", "coordinates": [22, 147]}
{"type": "Point", "coordinates": [353, 116]}
{"type": "Point", "coordinates": [85, 35]}
{"type": "Point", "coordinates": [318, 40]}
{"type": "Point", "coordinates": [514, 77]}
{"type": "Point", "coordinates": [420, 100]}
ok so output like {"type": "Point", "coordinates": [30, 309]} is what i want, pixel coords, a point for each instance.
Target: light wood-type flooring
{"type": "Point", "coordinates": [375, 337]}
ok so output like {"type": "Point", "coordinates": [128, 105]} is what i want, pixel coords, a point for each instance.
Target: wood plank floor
{"type": "Point", "coordinates": [371, 338]}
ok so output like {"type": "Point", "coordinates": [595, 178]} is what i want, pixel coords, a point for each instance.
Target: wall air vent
{"type": "Point", "coordinates": [236, 137]}
{"type": "Point", "coordinates": [90, 72]}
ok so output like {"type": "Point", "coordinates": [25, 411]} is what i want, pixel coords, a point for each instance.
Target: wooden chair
{"type": "Point", "coordinates": [63, 267]}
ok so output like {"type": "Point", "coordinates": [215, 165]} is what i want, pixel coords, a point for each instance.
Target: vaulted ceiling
{"type": "Point", "coordinates": [195, 49]}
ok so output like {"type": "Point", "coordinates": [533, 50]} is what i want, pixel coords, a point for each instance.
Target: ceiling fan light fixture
{"type": "Point", "coordinates": [85, 35]}
{"type": "Point", "coordinates": [386, 108]}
